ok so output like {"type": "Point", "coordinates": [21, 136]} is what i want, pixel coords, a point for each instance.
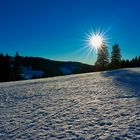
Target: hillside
{"type": "Point", "coordinates": [101, 105]}
{"type": "Point", "coordinates": [54, 68]}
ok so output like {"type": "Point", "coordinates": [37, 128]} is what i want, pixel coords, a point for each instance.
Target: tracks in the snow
{"type": "Point", "coordinates": [41, 119]}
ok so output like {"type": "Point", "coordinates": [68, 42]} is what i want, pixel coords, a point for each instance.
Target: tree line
{"type": "Point", "coordinates": [106, 62]}
{"type": "Point", "coordinates": [9, 68]}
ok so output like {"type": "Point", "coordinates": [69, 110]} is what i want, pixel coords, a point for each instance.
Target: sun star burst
{"type": "Point", "coordinates": [95, 39]}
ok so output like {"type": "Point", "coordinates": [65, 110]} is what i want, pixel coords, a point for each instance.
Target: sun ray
{"type": "Point", "coordinates": [95, 39]}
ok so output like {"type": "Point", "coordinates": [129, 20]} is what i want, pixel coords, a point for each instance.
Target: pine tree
{"type": "Point", "coordinates": [2, 67]}
{"type": "Point", "coordinates": [7, 67]}
{"type": "Point", "coordinates": [17, 67]}
{"type": "Point", "coordinates": [115, 56]}
{"type": "Point", "coordinates": [102, 58]}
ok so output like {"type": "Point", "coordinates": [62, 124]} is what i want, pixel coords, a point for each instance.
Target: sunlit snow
{"type": "Point", "coordinates": [92, 106]}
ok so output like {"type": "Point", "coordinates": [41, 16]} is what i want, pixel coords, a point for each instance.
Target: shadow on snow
{"type": "Point", "coordinates": [127, 79]}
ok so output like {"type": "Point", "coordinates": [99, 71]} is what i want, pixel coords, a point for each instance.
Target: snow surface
{"type": "Point", "coordinates": [94, 106]}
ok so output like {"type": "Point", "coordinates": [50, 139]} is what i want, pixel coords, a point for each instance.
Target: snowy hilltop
{"type": "Point", "coordinates": [93, 106]}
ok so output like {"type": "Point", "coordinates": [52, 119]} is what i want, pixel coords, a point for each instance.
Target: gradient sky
{"type": "Point", "coordinates": [56, 29]}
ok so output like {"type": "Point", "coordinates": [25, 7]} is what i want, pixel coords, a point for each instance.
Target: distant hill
{"type": "Point", "coordinates": [33, 67]}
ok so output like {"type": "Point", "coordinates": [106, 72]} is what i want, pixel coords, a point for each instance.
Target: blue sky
{"type": "Point", "coordinates": [56, 29]}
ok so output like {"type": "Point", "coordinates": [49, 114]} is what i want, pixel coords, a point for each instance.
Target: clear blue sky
{"type": "Point", "coordinates": [55, 29]}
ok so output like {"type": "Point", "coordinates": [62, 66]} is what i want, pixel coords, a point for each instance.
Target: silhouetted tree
{"type": "Point", "coordinates": [115, 56]}
{"type": "Point", "coordinates": [125, 63]}
{"type": "Point", "coordinates": [1, 67]}
{"type": "Point", "coordinates": [102, 58]}
{"type": "Point", "coordinates": [7, 71]}
{"type": "Point", "coordinates": [9, 67]}
{"type": "Point", "coordinates": [135, 62]}
{"type": "Point", "coordinates": [5, 68]}
{"type": "Point", "coordinates": [17, 67]}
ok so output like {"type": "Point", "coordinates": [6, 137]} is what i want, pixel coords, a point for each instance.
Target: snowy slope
{"type": "Point", "coordinates": [86, 106]}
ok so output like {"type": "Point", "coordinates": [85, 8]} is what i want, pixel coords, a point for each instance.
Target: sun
{"type": "Point", "coordinates": [95, 39]}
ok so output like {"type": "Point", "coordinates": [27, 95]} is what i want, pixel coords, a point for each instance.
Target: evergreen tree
{"type": "Point", "coordinates": [5, 68]}
{"type": "Point", "coordinates": [115, 56]}
{"type": "Point", "coordinates": [2, 67]}
{"type": "Point", "coordinates": [17, 67]}
{"type": "Point", "coordinates": [135, 62]}
{"type": "Point", "coordinates": [125, 63]}
{"type": "Point", "coordinates": [139, 61]}
{"type": "Point", "coordinates": [102, 58]}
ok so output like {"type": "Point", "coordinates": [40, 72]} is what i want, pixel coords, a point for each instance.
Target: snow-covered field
{"type": "Point", "coordinates": [92, 106]}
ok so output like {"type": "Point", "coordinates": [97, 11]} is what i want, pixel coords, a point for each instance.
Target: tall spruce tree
{"type": "Point", "coordinates": [115, 56]}
{"type": "Point", "coordinates": [102, 58]}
